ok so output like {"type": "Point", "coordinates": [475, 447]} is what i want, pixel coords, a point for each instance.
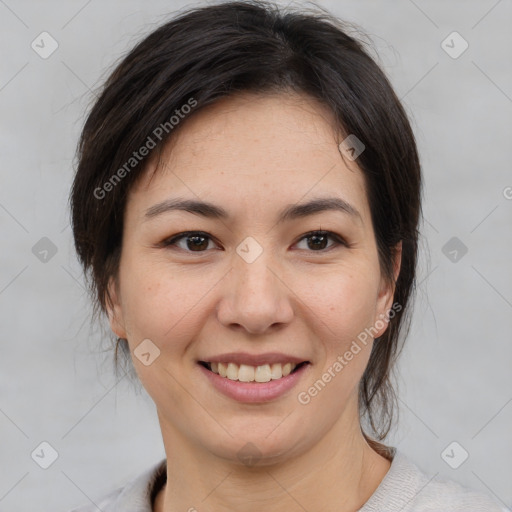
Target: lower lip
{"type": "Point", "coordinates": [255, 392]}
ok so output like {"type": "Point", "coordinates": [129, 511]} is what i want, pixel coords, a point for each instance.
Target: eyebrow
{"type": "Point", "coordinates": [290, 212]}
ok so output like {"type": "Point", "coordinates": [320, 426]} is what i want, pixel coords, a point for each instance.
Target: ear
{"type": "Point", "coordinates": [387, 292]}
{"type": "Point", "coordinates": [114, 309]}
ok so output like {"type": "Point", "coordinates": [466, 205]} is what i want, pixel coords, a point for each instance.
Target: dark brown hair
{"type": "Point", "coordinates": [211, 52]}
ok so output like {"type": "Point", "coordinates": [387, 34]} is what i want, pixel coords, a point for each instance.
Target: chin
{"type": "Point", "coordinates": [266, 449]}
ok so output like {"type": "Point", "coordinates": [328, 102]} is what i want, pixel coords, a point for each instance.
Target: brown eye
{"type": "Point", "coordinates": [317, 240]}
{"type": "Point", "coordinates": [195, 241]}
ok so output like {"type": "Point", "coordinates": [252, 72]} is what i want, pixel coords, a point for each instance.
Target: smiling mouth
{"type": "Point", "coordinates": [256, 374]}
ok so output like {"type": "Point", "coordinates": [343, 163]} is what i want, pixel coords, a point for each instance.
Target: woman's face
{"type": "Point", "coordinates": [254, 282]}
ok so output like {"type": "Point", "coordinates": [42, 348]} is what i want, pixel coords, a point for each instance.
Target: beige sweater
{"type": "Point", "coordinates": [405, 488]}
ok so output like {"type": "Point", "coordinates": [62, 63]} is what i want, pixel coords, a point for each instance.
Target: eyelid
{"type": "Point", "coordinates": [324, 232]}
{"type": "Point", "coordinates": [339, 240]}
{"type": "Point", "coordinates": [171, 241]}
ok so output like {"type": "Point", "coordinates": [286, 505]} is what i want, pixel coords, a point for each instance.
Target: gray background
{"type": "Point", "coordinates": [56, 376]}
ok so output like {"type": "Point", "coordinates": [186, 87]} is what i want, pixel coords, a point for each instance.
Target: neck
{"type": "Point", "coordinates": [341, 468]}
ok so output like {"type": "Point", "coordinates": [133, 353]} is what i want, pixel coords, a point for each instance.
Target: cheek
{"type": "Point", "coordinates": [344, 302]}
{"type": "Point", "coordinates": [341, 309]}
{"type": "Point", "coordinates": [335, 302]}
{"type": "Point", "coordinates": [162, 305]}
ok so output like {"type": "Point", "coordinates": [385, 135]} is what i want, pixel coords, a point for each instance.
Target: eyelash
{"type": "Point", "coordinates": [169, 242]}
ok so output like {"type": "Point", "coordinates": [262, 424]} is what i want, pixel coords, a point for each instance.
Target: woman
{"type": "Point", "coordinates": [246, 205]}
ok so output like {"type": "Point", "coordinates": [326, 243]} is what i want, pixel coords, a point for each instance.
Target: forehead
{"type": "Point", "coordinates": [254, 150]}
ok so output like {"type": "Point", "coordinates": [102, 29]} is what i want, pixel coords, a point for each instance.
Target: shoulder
{"type": "Point", "coordinates": [409, 489]}
{"type": "Point", "coordinates": [136, 493]}
{"type": "Point", "coordinates": [450, 496]}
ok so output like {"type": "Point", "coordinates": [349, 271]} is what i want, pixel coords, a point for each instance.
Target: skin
{"type": "Point", "coordinates": [254, 155]}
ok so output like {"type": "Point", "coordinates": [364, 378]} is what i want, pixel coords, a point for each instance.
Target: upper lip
{"type": "Point", "coordinates": [254, 359]}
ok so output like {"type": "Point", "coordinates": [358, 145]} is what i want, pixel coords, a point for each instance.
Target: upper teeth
{"type": "Point", "coordinates": [246, 373]}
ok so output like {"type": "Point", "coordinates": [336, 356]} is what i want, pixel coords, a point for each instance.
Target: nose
{"type": "Point", "coordinates": [255, 298]}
